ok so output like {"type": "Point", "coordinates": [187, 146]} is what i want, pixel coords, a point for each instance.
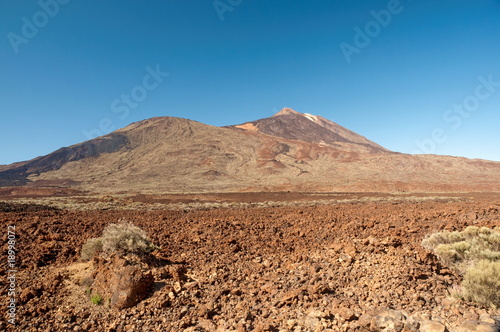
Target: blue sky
{"type": "Point", "coordinates": [413, 76]}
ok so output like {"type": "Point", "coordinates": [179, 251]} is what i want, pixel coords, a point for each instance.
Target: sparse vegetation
{"type": "Point", "coordinates": [96, 299]}
{"type": "Point", "coordinates": [123, 237]}
{"type": "Point", "coordinates": [474, 253]}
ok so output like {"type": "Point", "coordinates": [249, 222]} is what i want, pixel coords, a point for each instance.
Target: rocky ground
{"type": "Point", "coordinates": [355, 266]}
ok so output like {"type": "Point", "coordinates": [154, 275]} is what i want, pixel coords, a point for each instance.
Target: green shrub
{"type": "Point", "coordinates": [475, 254]}
{"type": "Point", "coordinates": [122, 237]}
{"type": "Point", "coordinates": [96, 299]}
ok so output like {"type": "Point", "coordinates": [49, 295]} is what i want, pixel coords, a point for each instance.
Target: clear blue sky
{"type": "Point", "coordinates": [68, 70]}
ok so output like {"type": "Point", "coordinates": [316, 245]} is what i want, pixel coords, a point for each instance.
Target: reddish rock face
{"type": "Point", "coordinates": [121, 281]}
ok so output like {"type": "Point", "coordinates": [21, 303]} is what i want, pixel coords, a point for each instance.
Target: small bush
{"type": "Point", "coordinates": [96, 299]}
{"type": "Point", "coordinates": [125, 237]}
{"type": "Point", "coordinates": [474, 253]}
{"type": "Point", "coordinates": [122, 237]}
{"type": "Point", "coordinates": [482, 283]}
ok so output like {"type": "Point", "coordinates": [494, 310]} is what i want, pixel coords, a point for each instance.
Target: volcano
{"type": "Point", "coordinates": [289, 151]}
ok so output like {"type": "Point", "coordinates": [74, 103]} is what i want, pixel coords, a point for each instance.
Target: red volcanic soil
{"type": "Point", "coordinates": [340, 267]}
{"type": "Point", "coordinates": [9, 193]}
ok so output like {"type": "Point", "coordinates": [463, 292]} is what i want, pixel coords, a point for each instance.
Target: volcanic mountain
{"type": "Point", "coordinates": [293, 125]}
{"type": "Point", "coordinates": [288, 151]}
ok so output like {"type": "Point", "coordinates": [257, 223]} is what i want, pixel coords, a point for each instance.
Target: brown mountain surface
{"type": "Point", "coordinates": [289, 151]}
{"type": "Point", "coordinates": [290, 124]}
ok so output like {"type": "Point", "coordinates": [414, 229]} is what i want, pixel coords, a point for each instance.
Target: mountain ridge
{"type": "Point", "coordinates": [289, 151]}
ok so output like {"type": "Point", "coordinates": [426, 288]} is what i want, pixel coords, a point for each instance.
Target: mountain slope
{"type": "Point", "coordinates": [289, 151]}
{"type": "Point", "coordinates": [16, 174]}
{"type": "Point", "coordinates": [293, 125]}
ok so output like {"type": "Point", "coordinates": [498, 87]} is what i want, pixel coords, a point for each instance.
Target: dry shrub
{"type": "Point", "coordinates": [123, 237]}
{"type": "Point", "coordinates": [461, 248]}
{"type": "Point", "coordinates": [474, 253]}
{"type": "Point", "coordinates": [90, 248]}
{"type": "Point", "coordinates": [482, 283]}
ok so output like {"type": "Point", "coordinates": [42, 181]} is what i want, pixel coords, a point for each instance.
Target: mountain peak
{"type": "Point", "coordinates": [287, 111]}
{"type": "Point", "coordinates": [290, 124]}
